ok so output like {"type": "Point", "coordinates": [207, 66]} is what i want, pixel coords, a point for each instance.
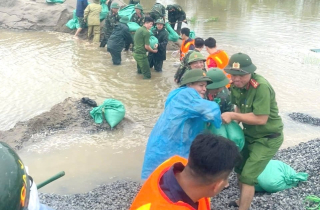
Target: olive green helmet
{"type": "Point", "coordinates": [138, 6]}
{"type": "Point", "coordinates": [14, 181]}
{"type": "Point", "coordinates": [195, 75]}
{"type": "Point", "coordinates": [115, 5]}
{"type": "Point", "coordinates": [161, 21]}
{"type": "Point", "coordinates": [196, 56]}
{"type": "Point", "coordinates": [218, 78]}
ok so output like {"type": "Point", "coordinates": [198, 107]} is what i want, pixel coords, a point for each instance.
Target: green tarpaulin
{"type": "Point", "coordinates": [54, 1]}
{"type": "Point", "coordinates": [127, 11]}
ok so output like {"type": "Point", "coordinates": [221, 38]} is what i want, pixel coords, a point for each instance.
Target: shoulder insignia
{"type": "Point", "coordinates": [254, 83]}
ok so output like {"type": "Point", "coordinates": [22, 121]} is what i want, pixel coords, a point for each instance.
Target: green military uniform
{"type": "Point", "coordinates": [156, 59]}
{"type": "Point", "coordinates": [134, 2]}
{"type": "Point", "coordinates": [176, 15]}
{"type": "Point", "coordinates": [135, 18]}
{"type": "Point", "coordinates": [141, 39]}
{"type": "Point", "coordinates": [258, 97]}
{"type": "Point", "coordinates": [111, 20]}
{"type": "Point", "coordinates": [158, 11]}
{"type": "Point", "coordinates": [219, 80]}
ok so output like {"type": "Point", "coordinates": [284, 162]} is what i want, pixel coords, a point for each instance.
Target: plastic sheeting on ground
{"type": "Point", "coordinates": [114, 112]}
{"type": "Point", "coordinates": [55, 1]}
{"type": "Point", "coordinates": [173, 36]}
{"type": "Point", "coordinates": [133, 26]}
{"type": "Point", "coordinates": [279, 176]}
{"type": "Point", "coordinates": [127, 11]}
{"type": "Point", "coordinates": [230, 131]}
{"type": "Point", "coordinates": [181, 121]}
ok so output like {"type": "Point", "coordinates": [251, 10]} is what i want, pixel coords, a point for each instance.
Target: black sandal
{"type": "Point", "coordinates": [233, 204]}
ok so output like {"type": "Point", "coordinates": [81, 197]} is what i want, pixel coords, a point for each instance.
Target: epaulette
{"type": "Point", "coordinates": [254, 83]}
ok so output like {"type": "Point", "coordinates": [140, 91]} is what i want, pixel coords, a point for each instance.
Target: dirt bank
{"type": "Point", "coordinates": [69, 116]}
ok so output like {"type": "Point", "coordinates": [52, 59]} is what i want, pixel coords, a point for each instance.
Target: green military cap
{"type": "Point", "coordinates": [160, 20]}
{"type": "Point", "coordinates": [240, 64]}
{"type": "Point", "coordinates": [14, 181]}
{"type": "Point", "coordinates": [196, 56]}
{"type": "Point", "coordinates": [138, 6]}
{"type": "Point", "coordinates": [115, 5]}
{"type": "Point", "coordinates": [124, 19]}
{"type": "Point", "coordinates": [195, 75]}
{"type": "Point", "coordinates": [218, 78]}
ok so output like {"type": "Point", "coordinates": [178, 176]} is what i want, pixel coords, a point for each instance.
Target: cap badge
{"type": "Point", "coordinates": [195, 56]}
{"type": "Point", "coordinates": [204, 74]}
{"type": "Point", "coordinates": [236, 65]}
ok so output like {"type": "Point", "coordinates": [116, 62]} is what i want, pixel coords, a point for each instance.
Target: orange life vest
{"type": "Point", "coordinates": [221, 58]}
{"type": "Point", "coordinates": [151, 197]}
{"type": "Point", "coordinates": [185, 48]}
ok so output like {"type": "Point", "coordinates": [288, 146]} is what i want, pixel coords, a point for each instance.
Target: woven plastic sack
{"type": "Point", "coordinates": [127, 11]}
{"type": "Point", "coordinates": [173, 36]}
{"type": "Point", "coordinates": [114, 111]}
{"type": "Point", "coordinates": [279, 176]}
{"type": "Point", "coordinates": [153, 40]}
{"type": "Point", "coordinates": [230, 131]}
{"type": "Point", "coordinates": [133, 26]}
{"type": "Point", "coordinates": [192, 35]}
{"type": "Point", "coordinates": [104, 11]}
{"type": "Point", "coordinates": [73, 23]}
{"type": "Point", "coordinates": [55, 1]}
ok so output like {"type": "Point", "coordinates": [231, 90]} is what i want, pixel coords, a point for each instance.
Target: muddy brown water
{"type": "Point", "coordinates": [41, 69]}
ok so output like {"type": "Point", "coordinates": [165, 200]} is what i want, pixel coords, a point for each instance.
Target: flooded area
{"type": "Point", "coordinates": [41, 69]}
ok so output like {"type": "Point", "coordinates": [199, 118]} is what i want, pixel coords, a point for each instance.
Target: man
{"type": "Point", "coordinates": [176, 13]}
{"type": "Point", "coordinates": [216, 58]}
{"type": "Point", "coordinates": [138, 16]}
{"type": "Point", "coordinates": [257, 109]}
{"type": "Point", "coordinates": [134, 2]}
{"type": "Point", "coordinates": [141, 46]}
{"type": "Point", "coordinates": [81, 6]}
{"type": "Point", "coordinates": [195, 61]}
{"type": "Point", "coordinates": [156, 59]}
{"type": "Point", "coordinates": [119, 39]}
{"type": "Point", "coordinates": [187, 184]}
{"type": "Point", "coordinates": [199, 44]}
{"type": "Point", "coordinates": [187, 43]}
{"type": "Point", "coordinates": [158, 11]}
{"type": "Point", "coordinates": [111, 20]}
{"type": "Point", "coordinates": [217, 90]}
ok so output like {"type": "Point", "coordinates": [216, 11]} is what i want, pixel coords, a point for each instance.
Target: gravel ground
{"type": "Point", "coordinates": [304, 118]}
{"type": "Point", "coordinates": [304, 157]}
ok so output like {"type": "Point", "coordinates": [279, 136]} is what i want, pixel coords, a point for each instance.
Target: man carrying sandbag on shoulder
{"type": "Point", "coordinates": [257, 109]}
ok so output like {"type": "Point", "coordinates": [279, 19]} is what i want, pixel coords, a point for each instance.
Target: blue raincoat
{"type": "Point", "coordinates": [181, 121]}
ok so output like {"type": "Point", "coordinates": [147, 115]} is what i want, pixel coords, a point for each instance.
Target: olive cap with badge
{"type": "Point", "coordinates": [195, 75]}
{"type": "Point", "coordinates": [218, 78]}
{"type": "Point", "coordinates": [196, 56]}
{"type": "Point", "coordinates": [160, 21]}
{"type": "Point", "coordinates": [138, 6]}
{"type": "Point", "coordinates": [115, 5]}
{"type": "Point", "coordinates": [240, 64]}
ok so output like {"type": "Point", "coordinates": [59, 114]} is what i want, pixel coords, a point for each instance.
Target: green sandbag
{"type": "Point", "coordinates": [104, 10]}
{"type": "Point", "coordinates": [114, 111]}
{"type": "Point", "coordinates": [73, 23]}
{"type": "Point", "coordinates": [173, 36]}
{"type": "Point", "coordinates": [235, 134]}
{"type": "Point", "coordinates": [133, 26]}
{"type": "Point", "coordinates": [218, 131]}
{"type": "Point", "coordinates": [55, 1]}
{"type": "Point", "coordinates": [96, 114]}
{"type": "Point", "coordinates": [192, 35]}
{"type": "Point", "coordinates": [153, 40]}
{"type": "Point", "coordinates": [127, 11]}
{"type": "Point", "coordinates": [279, 176]}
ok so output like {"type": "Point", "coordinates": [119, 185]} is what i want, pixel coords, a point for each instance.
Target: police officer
{"type": "Point", "coordinates": [158, 11]}
{"type": "Point", "coordinates": [195, 61]}
{"type": "Point", "coordinates": [110, 21]}
{"type": "Point", "coordinates": [257, 109]}
{"type": "Point", "coordinates": [176, 13]}
{"type": "Point", "coordinates": [138, 16]}
{"type": "Point", "coordinates": [217, 91]}
{"type": "Point", "coordinates": [119, 39]}
{"type": "Point", "coordinates": [156, 59]}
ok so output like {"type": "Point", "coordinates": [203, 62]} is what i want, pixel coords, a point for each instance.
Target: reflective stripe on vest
{"type": "Point", "coordinates": [185, 48]}
{"type": "Point", "coordinates": [151, 197]}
